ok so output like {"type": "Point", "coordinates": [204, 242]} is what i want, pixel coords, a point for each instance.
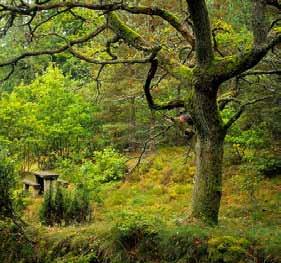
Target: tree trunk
{"type": "Point", "coordinates": [208, 179]}
{"type": "Point", "coordinates": [209, 157]}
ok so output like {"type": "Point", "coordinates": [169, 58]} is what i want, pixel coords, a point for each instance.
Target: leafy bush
{"type": "Point", "coordinates": [109, 165]}
{"type": "Point", "coordinates": [269, 166]}
{"type": "Point", "coordinates": [266, 242]}
{"type": "Point", "coordinates": [144, 238]}
{"type": "Point", "coordinates": [14, 246]}
{"type": "Point", "coordinates": [241, 140]}
{"type": "Point", "coordinates": [136, 232]}
{"type": "Point", "coordinates": [184, 244]}
{"type": "Point", "coordinates": [227, 249]}
{"type": "Point", "coordinates": [47, 119]}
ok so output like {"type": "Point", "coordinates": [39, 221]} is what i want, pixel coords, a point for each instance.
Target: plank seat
{"type": "Point", "coordinates": [31, 183]}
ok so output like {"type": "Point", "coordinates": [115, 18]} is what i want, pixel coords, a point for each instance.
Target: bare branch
{"type": "Point", "coordinates": [110, 62]}
{"type": "Point", "coordinates": [241, 109]}
{"type": "Point", "coordinates": [216, 47]}
{"type": "Point", "coordinates": [181, 27]}
{"type": "Point", "coordinates": [274, 3]}
{"type": "Point", "coordinates": [261, 72]}
{"type": "Point", "coordinates": [97, 79]}
{"type": "Point", "coordinates": [27, 9]}
{"type": "Point", "coordinates": [9, 74]}
{"type": "Point", "coordinates": [146, 143]}
{"type": "Point", "coordinates": [152, 105]}
{"type": "Point", "coordinates": [61, 49]}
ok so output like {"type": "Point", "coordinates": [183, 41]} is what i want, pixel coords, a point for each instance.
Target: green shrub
{"type": "Point", "coordinates": [78, 209]}
{"type": "Point", "coordinates": [269, 166]}
{"type": "Point", "coordinates": [144, 238]}
{"type": "Point", "coordinates": [47, 210]}
{"type": "Point", "coordinates": [14, 247]}
{"type": "Point", "coordinates": [227, 249]}
{"type": "Point", "coordinates": [184, 244]}
{"type": "Point", "coordinates": [136, 236]}
{"type": "Point", "coordinates": [109, 165]}
{"type": "Point", "coordinates": [266, 241]}
{"type": "Point", "coordinates": [60, 207]}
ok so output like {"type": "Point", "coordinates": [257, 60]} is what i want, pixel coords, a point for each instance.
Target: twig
{"type": "Point", "coordinates": [146, 143]}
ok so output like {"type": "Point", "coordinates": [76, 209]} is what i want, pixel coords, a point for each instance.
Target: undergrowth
{"type": "Point", "coordinates": [145, 219]}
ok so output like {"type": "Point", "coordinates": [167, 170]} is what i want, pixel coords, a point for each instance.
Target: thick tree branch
{"type": "Point", "coordinates": [152, 105]}
{"type": "Point", "coordinates": [260, 72]}
{"type": "Point", "coordinates": [263, 42]}
{"type": "Point", "coordinates": [111, 41]}
{"type": "Point", "coordinates": [131, 37]}
{"type": "Point", "coordinates": [61, 49]}
{"type": "Point", "coordinates": [181, 27]}
{"type": "Point", "coordinates": [109, 62]}
{"type": "Point", "coordinates": [230, 67]}
{"type": "Point", "coordinates": [201, 26]}
{"type": "Point", "coordinates": [179, 71]}
{"type": "Point", "coordinates": [274, 3]}
{"type": "Point", "coordinates": [27, 9]}
{"type": "Point", "coordinates": [222, 103]}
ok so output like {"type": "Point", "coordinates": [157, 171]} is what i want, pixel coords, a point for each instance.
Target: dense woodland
{"type": "Point", "coordinates": [162, 120]}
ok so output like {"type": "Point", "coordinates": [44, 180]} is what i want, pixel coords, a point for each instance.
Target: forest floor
{"type": "Point", "coordinates": [133, 214]}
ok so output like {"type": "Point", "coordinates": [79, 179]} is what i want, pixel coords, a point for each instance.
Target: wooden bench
{"type": "Point", "coordinates": [36, 187]}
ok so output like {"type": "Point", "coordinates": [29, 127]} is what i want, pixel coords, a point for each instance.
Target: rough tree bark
{"type": "Point", "coordinates": [209, 154]}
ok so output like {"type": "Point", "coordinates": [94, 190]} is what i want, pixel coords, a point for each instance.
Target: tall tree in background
{"type": "Point", "coordinates": [201, 73]}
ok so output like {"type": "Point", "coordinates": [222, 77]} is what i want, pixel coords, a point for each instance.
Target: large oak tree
{"type": "Point", "coordinates": [202, 77]}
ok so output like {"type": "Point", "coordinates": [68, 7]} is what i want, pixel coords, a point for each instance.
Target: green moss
{"type": "Point", "coordinates": [184, 72]}
{"type": "Point", "coordinates": [131, 36]}
{"type": "Point", "coordinates": [227, 64]}
{"type": "Point", "coordinates": [277, 29]}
